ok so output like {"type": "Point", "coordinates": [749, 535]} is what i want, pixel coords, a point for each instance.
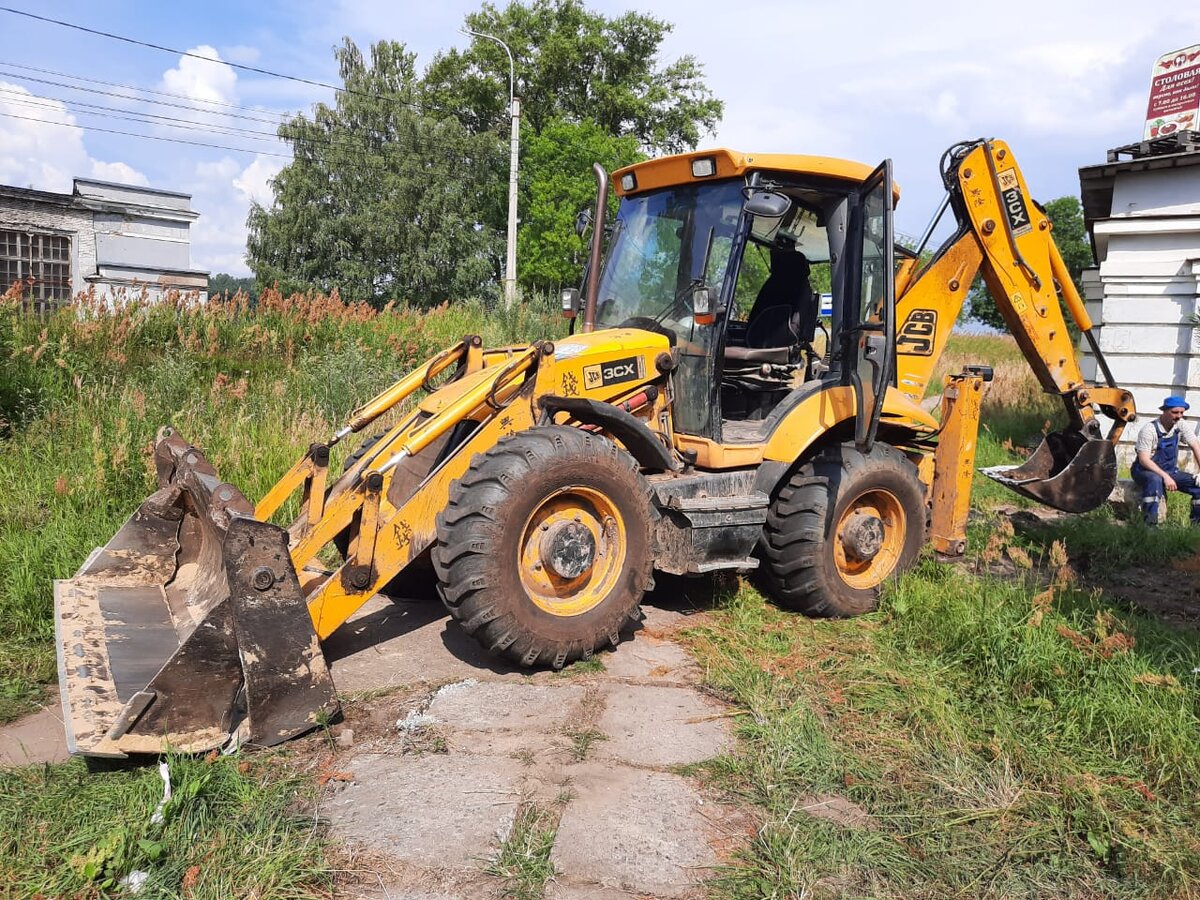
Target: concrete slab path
{"type": "Point", "coordinates": [437, 782]}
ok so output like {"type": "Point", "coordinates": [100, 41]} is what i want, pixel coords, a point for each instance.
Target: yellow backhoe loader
{"type": "Point", "coordinates": [703, 416]}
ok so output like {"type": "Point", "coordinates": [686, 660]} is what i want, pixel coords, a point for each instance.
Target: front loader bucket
{"type": "Point", "coordinates": [1067, 471]}
{"type": "Point", "coordinates": [189, 627]}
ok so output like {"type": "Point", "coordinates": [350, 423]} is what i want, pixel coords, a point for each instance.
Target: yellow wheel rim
{"type": "Point", "coordinates": [869, 539]}
{"type": "Point", "coordinates": [572, 551]}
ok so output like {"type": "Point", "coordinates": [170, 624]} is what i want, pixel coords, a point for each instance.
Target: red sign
{"type": "Point", "coordinates": [1174, 94]}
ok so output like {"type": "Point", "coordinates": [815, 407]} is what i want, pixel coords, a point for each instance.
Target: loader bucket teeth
{"type": "Point", "coordinates": [1066, 472]}
{"type": "Point", "coordinates": [189, 627]}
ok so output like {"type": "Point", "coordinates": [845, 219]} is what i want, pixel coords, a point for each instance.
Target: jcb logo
{"type": "Point", "coordinates": [917, 334]}
{"type": "Point", "coordinates": [615, 372]}
{"type": "Point", "coordinates": [1014, 202]}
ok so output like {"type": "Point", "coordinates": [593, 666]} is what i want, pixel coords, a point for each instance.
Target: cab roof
{"type": "Point", "coordinates": [667, 171]}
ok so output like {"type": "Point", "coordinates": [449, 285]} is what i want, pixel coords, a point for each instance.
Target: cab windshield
{"type": "Point", "coordinates": [664, 244]}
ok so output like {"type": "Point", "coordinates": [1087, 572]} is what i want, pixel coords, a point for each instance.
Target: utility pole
{"type": "Point", "coordinates": [510, 264]}
{"type": "Point", "coordinates": [514, 111]}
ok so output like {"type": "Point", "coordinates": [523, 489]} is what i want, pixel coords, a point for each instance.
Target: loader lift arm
{"type": "Point", "coordinates": [1007, 238]}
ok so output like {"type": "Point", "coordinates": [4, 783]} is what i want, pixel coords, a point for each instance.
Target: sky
{"type": "Point", "coordinates": [1062, 82]}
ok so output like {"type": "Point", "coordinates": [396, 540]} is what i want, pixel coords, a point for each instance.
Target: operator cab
{"type": "Point", "coordinates": [760, 246]}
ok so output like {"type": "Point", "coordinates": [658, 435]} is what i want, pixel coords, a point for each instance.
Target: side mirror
{"type": "Point", "coordinates": [570, 303]}
{"type": "Point", "coordinates": [767, 204]}
{"type": "Point", "coordinates": [583, 220]}
{"type": "Point", "coordinates": [703, 311]}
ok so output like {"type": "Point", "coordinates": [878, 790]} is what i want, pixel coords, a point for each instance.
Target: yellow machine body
{"type": "Point", "coordinates": [543, 484]}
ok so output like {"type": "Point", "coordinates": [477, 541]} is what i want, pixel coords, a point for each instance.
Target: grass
{"type": "Point", "coordinates": [1003, 748]}
{"type": "Point", "coordinates": [1007, 736]}
{"type": "Point", "coordinates": [233, 828]}
{"type": "Point", "coordinates": [83, 393]}
{"type": "Point", "coordinates": [1004, 737]}
{"type": "Point", "coordinates": [523, 862]}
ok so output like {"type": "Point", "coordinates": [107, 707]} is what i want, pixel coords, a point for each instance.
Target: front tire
{"type": "Point", "coordinates": [840, 527]}
{"type": "Point", "coordinates": [545, 548]}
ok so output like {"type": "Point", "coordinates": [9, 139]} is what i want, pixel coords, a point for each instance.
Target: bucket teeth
{"type": "Point", "coordinates": [172, 635]}
{"type": "Point", "coordinates": [1066, 472]}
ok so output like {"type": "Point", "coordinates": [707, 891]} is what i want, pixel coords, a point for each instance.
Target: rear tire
{"type": "Point", "coordinates": [545, 548]}
{"type": "Point", "coordinates": [840, 527]}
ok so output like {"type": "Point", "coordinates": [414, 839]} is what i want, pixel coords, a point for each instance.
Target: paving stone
{"type": "Point", "coordinates": [487, 706]}
{"type": "Point", "coordinates": [660, 726]}
{"type": "Point", "coordinates": [388, 644]}
{"type": "Point", "coordinates": [648, 657]}
{"type": "Point", "coordinates": [558, 890]}
{"type": "Point", "coordinates": [642, 832]}
{"type": "Point", "coordinates": [434, 810]}
{"type": "Point", "coordinates": [37, 738]}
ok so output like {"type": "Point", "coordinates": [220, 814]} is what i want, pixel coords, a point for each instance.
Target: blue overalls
{"type": "Point", "coordinates": [1166, 457]}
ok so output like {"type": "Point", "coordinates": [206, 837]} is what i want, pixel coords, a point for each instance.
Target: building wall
{"type": "Point", "coordinates": [1146, 290]}
{"type": "Point", "coordinates": [126, 241]}
{"type": "Point", "coordinates": [22, 215]}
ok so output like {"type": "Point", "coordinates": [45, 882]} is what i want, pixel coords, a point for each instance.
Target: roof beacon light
{"type": "Point", "coordinates": [628, 181]}
{"type": "Point", "coordinates": [702, 168]}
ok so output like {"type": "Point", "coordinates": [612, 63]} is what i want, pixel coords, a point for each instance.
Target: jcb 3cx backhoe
{"type": "Point", "coordinates": [703, 416]}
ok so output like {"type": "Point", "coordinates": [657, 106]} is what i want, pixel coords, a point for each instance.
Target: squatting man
{"type": "Point", "coordinates": [1157, 466]}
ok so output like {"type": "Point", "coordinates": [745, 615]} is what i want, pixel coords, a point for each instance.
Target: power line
{"type": "Point", "coordinates": [243, 67]}
{"type": "Point", "coordinates": [128, 87]}
{"type": "Point", "coordinates": [141, 118]}
{"type": "Point", "coordinates": [149, 137]}
{"type": "Point", "coordinates": [120, 96]}
{"type": "Point", "coordinates": [129, 40]}
{"type": "Point", "coordinates": [353, 141]}
{"type": "Point", "coordinates": [361, 150]}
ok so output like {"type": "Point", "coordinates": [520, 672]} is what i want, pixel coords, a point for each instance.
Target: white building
{"type": "Point", "coordinates": [1143, 214]}
{"type": "Point", "coordinates": [119, 239]}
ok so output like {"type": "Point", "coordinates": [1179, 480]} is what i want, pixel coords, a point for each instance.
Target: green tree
{"type": "Point", "coordinates": [575, 65]}
{"type": "Point", "coordinates": [223, 283]}
{"type": "Point", "coordinates": [1070, 234]}
{"type": "Point", "coordinates": [556, 183]}
{"type": "Point", "coordinates": [383, 200]}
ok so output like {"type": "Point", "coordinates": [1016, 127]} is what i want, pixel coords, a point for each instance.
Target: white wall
{"type": "Point", "coordinates": [1146, 289]}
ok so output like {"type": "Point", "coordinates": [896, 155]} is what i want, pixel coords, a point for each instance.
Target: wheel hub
{"type": "Point", "coordinates": [568, 549]}
{"type": "Point", "coordinates": [863, 536]}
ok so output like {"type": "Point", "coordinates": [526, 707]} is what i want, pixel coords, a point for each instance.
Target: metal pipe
{"type": "Point", "coordinates": [593, 281]}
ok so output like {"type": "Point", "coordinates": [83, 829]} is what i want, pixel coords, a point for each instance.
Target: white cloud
{"type": "Point", "coordinates": [118, 172]}
{"type": "Point", "coordinates": [240, 53]}
{"type": "Point", "coordinates": [254, 184]}
{"type": "Point", "coordinates": [207, 79]}
{"type": "Point", "coordinates": [35, 152]}
{"type": "Point", "coordinates": [222, 192]}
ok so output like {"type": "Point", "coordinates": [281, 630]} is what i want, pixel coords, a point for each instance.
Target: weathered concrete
{"type": "Point", "coordinates": [434, 810]}
{"type": "Point", "coordinates": [38, 738]}
{"type": "Point", "coordinates": [648, 657]}
{"type": "Point", "coordinates": [388, 644]}
{"type": "Point", "coordinates": [508, 737]}
{"type": "Point", "coordinates": [661, 726]}
{"type": "Point", "coordinates": [560, 890]}
{"type": "Point", "coordinates": [488, 706]}
{"type": "Point", "coordinates": [638, 831]}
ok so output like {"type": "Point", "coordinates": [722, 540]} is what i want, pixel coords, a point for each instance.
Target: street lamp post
{"type": "Point", "coordinates": [514, 107]}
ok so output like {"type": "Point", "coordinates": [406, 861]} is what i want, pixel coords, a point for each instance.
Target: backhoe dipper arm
{"type": "Point", "coordinates": [1006, 237]}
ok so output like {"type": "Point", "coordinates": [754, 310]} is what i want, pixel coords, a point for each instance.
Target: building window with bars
{"type": "Point", "coordinates": [42, 263]}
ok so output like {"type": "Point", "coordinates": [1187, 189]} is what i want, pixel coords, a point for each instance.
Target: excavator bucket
{"type": "Point", "coordinates": [188, 630]}
{"type": "Point", "coordinates": [1067, 471]}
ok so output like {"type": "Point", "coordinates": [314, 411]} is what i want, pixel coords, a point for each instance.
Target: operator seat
{"type": "Point", "coordinates": [785, 311]}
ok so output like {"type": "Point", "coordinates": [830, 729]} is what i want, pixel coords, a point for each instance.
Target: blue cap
{"type": "Point", "coordinates": [1174, 402]}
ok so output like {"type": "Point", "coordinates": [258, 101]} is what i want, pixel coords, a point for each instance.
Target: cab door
{"type": "Point", "coordinates": [872, 307]}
